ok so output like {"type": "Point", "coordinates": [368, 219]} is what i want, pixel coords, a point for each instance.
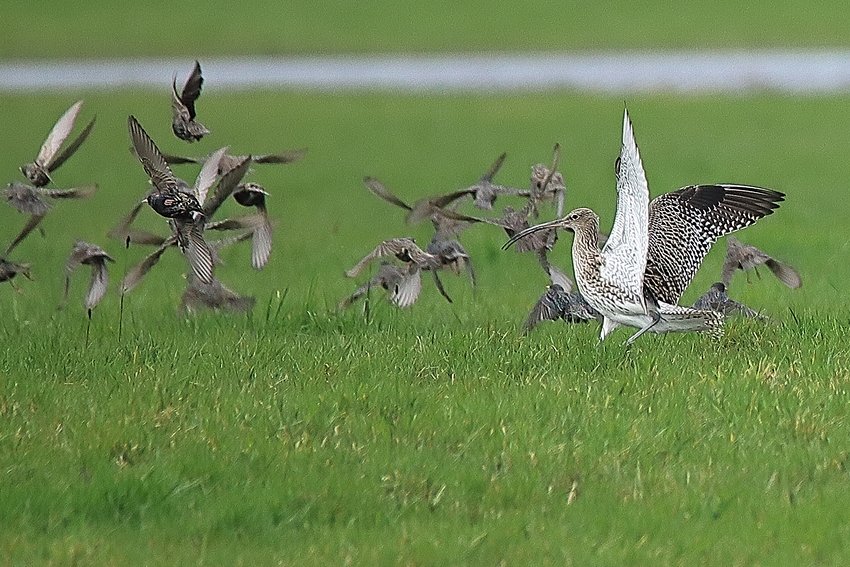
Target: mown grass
{"type": "Point", "coordinates": [440, 434]}
{"type": "Point", "coordinates": [193, 29]}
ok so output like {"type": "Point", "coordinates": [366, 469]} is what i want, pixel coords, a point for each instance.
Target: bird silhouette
{"type": "Point", "coordinates": [745, 257]}
{"type": "Point", "coordinates": [49, 158]}
{"type": "Point", "coordinates": [92, 255]}
{"type": "Point", "coordinates": [183, 107]}
{"type": "Point", "coordinates": [169, 199]}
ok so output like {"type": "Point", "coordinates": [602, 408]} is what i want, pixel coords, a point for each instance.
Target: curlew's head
{"type": "Point", "coordinates": [580, 220]}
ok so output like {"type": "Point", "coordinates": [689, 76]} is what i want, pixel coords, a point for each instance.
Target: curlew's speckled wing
{"type": "Point", "coordinates": [625, 250]}
{"type": "Point", "coordinates": [683, 224]}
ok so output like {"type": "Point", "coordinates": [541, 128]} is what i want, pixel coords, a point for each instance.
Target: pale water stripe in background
{"type": "Point", "coordinates": [804, 71]}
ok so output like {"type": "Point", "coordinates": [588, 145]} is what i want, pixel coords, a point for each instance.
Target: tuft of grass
{"type": "Point", "coordinates": [440, 434]}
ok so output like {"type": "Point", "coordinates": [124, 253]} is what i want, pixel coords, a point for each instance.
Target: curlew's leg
{"type": "Point", "coordinates": [656, 317]}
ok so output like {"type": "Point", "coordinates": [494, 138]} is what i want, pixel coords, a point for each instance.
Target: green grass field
{"type": "Point", "coordinates": [56, 29]}
{"type": "Point", "coordinates": [440, 434]}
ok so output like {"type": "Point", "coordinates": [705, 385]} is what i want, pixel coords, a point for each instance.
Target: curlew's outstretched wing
{"type": "Point", "coordinates": [626, 247]}
{"type": "Point", "coordinates": [683, 224]}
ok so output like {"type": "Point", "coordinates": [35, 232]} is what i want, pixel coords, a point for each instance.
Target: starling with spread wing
{"type": "Point", "coordinates": [183, 121]}
{"type": "Point", "coordinates": [49, 157]}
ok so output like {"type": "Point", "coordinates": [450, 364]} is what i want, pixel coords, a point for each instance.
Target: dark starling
{"type": "Point", "coordinates": [96, 257]}
{"type": "Point", "coordinates": [169, 201]}
{"type": "Point", "coordinates": [717, 300]}
{"type": "Point", "coordinates": [49, 159]}
{"type": "Point", "coordinates": [183, 107]}
{"type": "Point", "coordinates": [254, 195]}
{"type": "Point", "coordinates": [745, 257]}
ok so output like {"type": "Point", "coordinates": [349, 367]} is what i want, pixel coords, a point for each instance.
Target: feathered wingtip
{"type": "Point", "coordinates": [785, 273]}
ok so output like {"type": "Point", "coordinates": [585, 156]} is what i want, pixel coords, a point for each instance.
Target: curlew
{"type": "Point", "coordinates": [654, 249]}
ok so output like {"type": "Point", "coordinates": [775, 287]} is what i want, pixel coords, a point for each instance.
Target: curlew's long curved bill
{"type": "Point", "coordinates": [531, 230]}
